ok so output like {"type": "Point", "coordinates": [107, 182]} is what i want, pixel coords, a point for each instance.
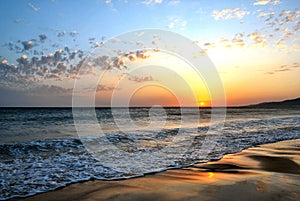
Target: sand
{"type": "Point", "coordinates": [266, 172]}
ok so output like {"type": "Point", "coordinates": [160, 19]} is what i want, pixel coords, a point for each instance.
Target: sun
{"type": "Point", "coordinates": [201, 103]}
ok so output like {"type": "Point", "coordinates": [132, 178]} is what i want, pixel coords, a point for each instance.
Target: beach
{"type": "Point", "coordinates": [265, 172]}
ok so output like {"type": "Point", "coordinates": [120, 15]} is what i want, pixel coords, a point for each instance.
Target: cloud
{"type": "Point", "coordinates": [270, 14]}
{"type": "Point", "coordinates": [101, 87]}
{"type": "Point", "coordinates": [34, 8]}
{"type": "Point", "coordinates": [176, 22]}
{"type": "Point", "coordinates": [19, 20]}
{"type": "Point", "coordinates": [63, 63]}
{"type": "Point", "coordinates": [73, 33]}
{"type": "Point", "coordinates": [284, 68]}
{"type": "Point", "coordinates": [141, 54]}
{"type": "Point", "coordinates": [13, 47]}
{"type": "Point", "coordinates": [295, 65]}
{"type": "Point", "coordinates": [261, 2]}
{"type": "Point", "coordinates": [140, 79]}
{"type": "Point", "coordinates": [119, 62]}
{"type": "Point", "coordinates": [42, 37]}
{"type": "Point", "coordinates": [46, 90]}
{"type": "Point", "coordinates": [209, 45]}
{"type": "Point", "coordinates": [53, 76]}
{"type": "Point", "coordinates": [173, 2]}
{"type": "Point", "coordinates": [28, 44]}
{"type": "Point", "coordinates": [265, 2]}
{"type": "Point", "coordinates": [224, 41]}
{"type": "Point", "coordinates": [238, 42]}
{"type": "Point", "coordinates": [257, 38]}
{"type": "Point", "coordinates": [285, 26]}
{"type": "Point", "coordinates": [40, 96]}
{"type": "Point", "coordinates": [150, 2]}
{"type": "Point", "coordinates": [131, 57]}
{"type": "Point", "coordinates": [61, 34]}
{"type": "Point", "coordinates": [229, 14]}
{"type": "Point", "coordinates": [36, 68]}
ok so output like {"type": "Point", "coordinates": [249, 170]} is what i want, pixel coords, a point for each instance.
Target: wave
{"type": "Point", "coordinates": [37, 166]}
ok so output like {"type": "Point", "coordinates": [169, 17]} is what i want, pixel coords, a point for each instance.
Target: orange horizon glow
{"type": "Point", "coordinates": [153, 95]}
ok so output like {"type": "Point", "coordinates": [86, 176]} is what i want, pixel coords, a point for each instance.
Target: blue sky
{"type": "Point", "coordinates": [258, 27]}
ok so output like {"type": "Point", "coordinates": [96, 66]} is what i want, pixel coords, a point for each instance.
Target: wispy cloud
{"type": "Point", "coordinates": [18, 20]}
{"type": "Point", "coordinates": [102, 87]}
{"type": "Point", "coordinates": [229, 14]}
{"type": "Point", "coordinates": [173, 2]}
{"type": "Point", "coordinates": [265, 2]}
{"type": "Point", "coordinates": [284, 68]}
{"type": "Point", "coordinates": [140, 79]}
{"type": "Point", "coordinates": [176, 22]}
{"type": "Point", "coordinates": [49, 90]}
{"type": "Point", "coordinates": [209, 45]}
{"type": "Point", "coordinates": [150, 2]}
{"type": "Point", "coordinates": [34, 8]}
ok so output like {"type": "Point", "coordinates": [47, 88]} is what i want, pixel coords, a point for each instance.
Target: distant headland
{"type": "Point", "coordinates": [291, 103]}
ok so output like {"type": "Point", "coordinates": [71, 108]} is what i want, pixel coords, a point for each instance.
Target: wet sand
{"type": "Point", "coordinates": [266, 172]}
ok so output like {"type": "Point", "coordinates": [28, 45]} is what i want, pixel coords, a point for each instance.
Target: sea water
{"type": "Point", "coordinates": [41, 150]}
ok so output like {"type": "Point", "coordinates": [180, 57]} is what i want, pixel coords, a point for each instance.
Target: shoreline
{"type": "Point", "coordinates": [264, 172]}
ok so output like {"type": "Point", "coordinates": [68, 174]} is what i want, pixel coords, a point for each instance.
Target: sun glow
{"type": "Point", "coordinates": [210, 175]}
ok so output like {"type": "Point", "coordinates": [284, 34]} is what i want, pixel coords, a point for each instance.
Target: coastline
{"type": "Point", "coordinates": [265, 172]}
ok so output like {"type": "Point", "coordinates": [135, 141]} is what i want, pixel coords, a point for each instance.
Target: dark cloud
{"type": "Point", "coordinates": [209, 45]}
{"type": "Point", "coordinates": [42, 37]}
{"type": "Point", "coordinates": [131, 57]}
{"type": "Point", "coordinates": [73, 33]}
{"type": "Point", "coordinates": [37, 96]}
{"type": "Point", "coordinates": [13, 47]}
{"type": "Point", "coordinates": [53, 75]}
{"type": "Point", "coordinates": [37, 64]}
{"type": "Point", "coordinates": [101, 61]}
{"type": "Point", "coordinates": [61, 34]}
{"type": "Point", "coordinates": [49, 90]}
{"type": "Point", "coordinates": [141, 54]}
{"type": "Point", "coordinates": [23, 61]}
{"type": "Point", "coordinates": [28, 44]}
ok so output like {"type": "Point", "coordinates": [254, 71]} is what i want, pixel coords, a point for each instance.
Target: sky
{"type": "Point", "coordinates": [254, 45]}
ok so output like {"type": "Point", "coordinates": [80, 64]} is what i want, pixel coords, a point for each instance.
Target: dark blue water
{"type": "Point", "coordinates": [40, 149]}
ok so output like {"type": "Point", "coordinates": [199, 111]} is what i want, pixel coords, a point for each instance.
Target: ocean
{"type": "Point", "coordinates": [42, 149]}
